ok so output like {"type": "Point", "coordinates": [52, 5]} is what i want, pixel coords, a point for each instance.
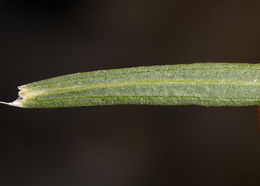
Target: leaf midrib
{"type": "Point", "coordinates": [133, 83]}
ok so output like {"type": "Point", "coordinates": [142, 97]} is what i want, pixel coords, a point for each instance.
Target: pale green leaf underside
{"type": "Point", "coordinates": [208, 84]}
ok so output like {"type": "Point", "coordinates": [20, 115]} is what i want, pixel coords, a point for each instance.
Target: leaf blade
{"type": "Point", "coordinates": [208, 84]}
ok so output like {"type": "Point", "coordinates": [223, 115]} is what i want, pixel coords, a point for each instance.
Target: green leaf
{"type": "Point", "coordinates": [208, 84]}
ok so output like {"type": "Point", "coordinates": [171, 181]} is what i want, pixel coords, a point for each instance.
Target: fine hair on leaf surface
{"type": "Point", "coordinates": [206, 84]}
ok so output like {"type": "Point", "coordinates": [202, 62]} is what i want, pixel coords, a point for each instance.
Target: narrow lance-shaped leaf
{"type": "Point", "coordinates": [208, 84]}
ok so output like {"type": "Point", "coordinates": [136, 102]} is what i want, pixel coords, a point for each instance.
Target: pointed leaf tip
{"type": "Point", "coordinates": [16, 103]}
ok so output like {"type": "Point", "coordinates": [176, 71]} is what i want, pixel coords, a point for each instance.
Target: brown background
{"type": "Point", "coordinates": [125, 145]}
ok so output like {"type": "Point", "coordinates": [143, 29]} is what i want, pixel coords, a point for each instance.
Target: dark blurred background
{"type": "Point", "coordinates": [125, 145]}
